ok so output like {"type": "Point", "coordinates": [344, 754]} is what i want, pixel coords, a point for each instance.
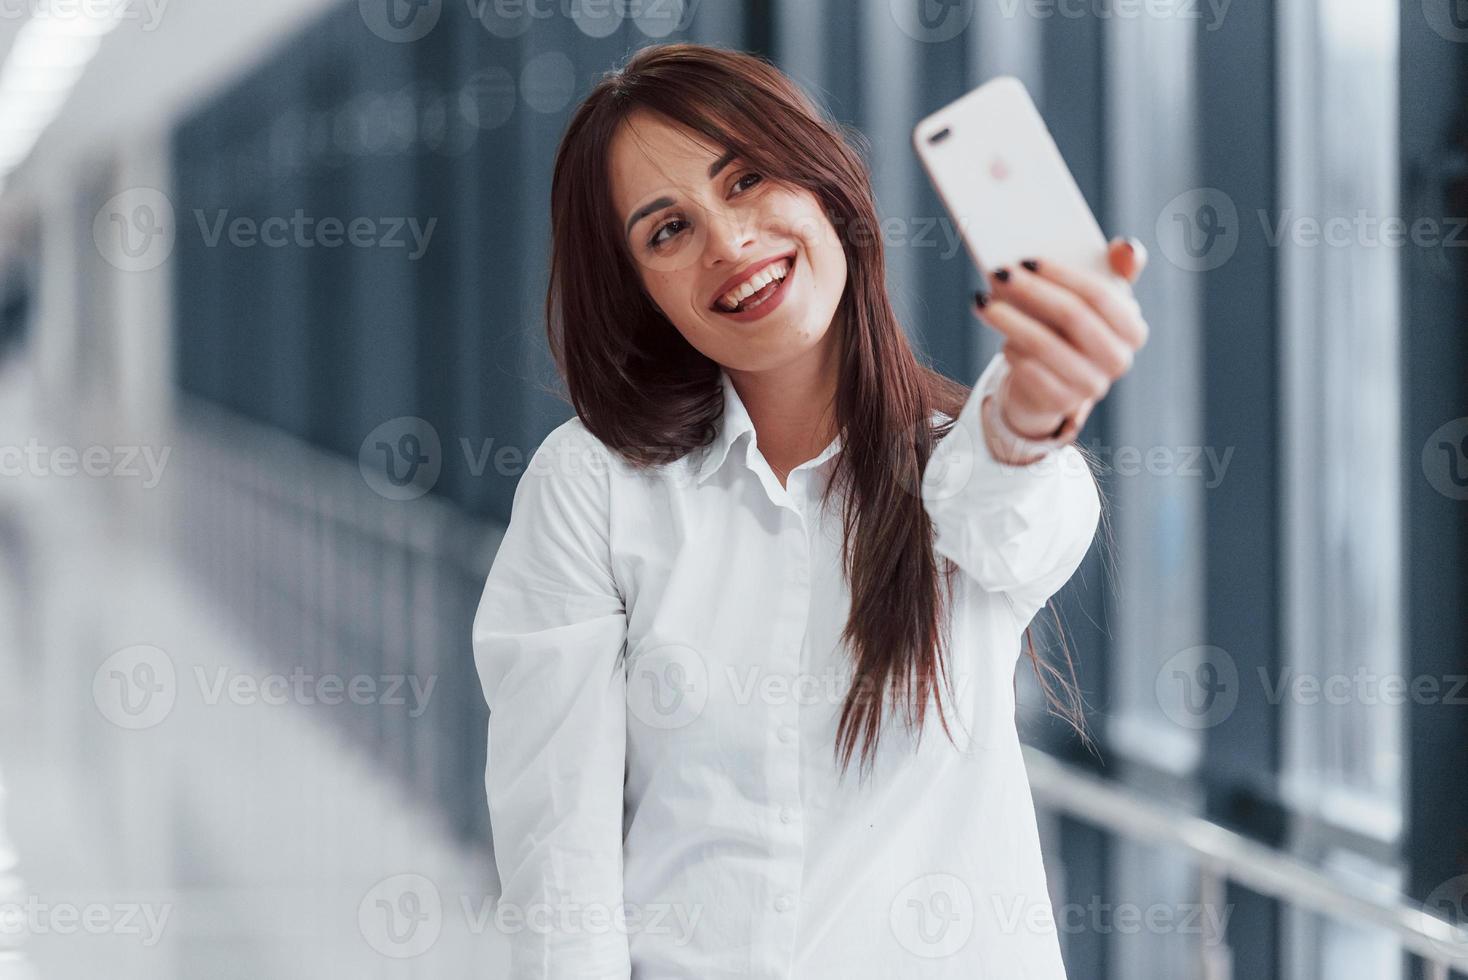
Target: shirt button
{"type": "Point", "coordinates": [786, 734]}
{"type": "Point", "coordinates": [784, 903]}
{"type": "Point", "coordinates": [787, 815]}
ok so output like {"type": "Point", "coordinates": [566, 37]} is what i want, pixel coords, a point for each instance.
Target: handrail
{"type": "Point", "coordinates": [1102, 803]}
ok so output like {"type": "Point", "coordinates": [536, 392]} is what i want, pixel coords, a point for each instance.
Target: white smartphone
{"type": "Point", "coordinates": [1002, 179]}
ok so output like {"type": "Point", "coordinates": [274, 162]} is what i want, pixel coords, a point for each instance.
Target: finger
{"type": "Point", "coordinates": [1034, 339]}
{"type": "Point", "coordinates": [1119, 310]}
{"type": "Point", "coordinates": [1081, 412]}
{"type": "Point", "coordinates": [1066, 311]}
{"type": "Point", "coordinates": [1037, 390]}
{"type": "Point", "coordinates": [1128, 257]}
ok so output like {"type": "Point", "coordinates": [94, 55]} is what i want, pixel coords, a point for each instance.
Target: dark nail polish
{"type": "Point", "coordinates": [1001, 274]}
{"type": "Point", "coordinates": [981, 298]}
{"type": "Point", "coordinates": [1032, 264]}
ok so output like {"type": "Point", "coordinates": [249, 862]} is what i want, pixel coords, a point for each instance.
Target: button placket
{"type": "Point", "coordinates": [785, 787]}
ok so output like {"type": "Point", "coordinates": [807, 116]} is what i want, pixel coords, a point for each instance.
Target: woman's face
{"type": "Point", "coordinates": [700, 224]}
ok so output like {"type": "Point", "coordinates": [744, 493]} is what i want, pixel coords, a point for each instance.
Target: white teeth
{"type": "Point", "coordinates": [755, 283]}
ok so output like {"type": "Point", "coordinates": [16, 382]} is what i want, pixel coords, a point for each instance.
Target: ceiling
{"type": "Point", "coordinates": [164, 57]}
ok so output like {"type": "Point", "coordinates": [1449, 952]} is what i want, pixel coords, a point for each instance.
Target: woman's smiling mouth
{"type": "Point", "coordinates": [759, 293]}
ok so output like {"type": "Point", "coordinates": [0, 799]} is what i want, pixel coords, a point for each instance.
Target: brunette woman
{"type": "Point", "coordinates": [768, 556]}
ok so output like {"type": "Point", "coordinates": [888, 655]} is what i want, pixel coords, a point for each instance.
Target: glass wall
{"type": "Point", "coordinates": [1339, 236]}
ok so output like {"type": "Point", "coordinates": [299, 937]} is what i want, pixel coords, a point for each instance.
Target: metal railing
{"type": "Point", "coordinates": [329, 577]}
{"type": "Point", "coordinates": [1225, 856]}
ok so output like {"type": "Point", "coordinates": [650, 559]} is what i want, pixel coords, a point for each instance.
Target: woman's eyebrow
{"type": "Point", "coordinates": [720, 164]}
{"type": "Point", "coordinates": [647, 209]}
{"type": "Point", "coordinates": [663, 202]}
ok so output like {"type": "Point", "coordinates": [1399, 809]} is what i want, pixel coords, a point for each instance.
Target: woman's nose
{"type": "Point", "coordinates": [729, 232]}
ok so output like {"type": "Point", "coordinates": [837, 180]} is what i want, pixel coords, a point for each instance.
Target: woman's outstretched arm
{"type": "Point", "coordinates": [1017, 516]}
{"type": "Point", "coordinates": [1017, 529]}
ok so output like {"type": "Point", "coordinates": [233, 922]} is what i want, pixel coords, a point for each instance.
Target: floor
{"type": "Point", "coordinates": [173, 815]}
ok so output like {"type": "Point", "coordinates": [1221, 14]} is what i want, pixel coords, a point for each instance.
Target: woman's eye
{"type": "Point", "coordinates": [753, 174]}
{"type": "Point", "coordinates": [677, 224]}
{"type": "Point", "coordinates": [657, 236]}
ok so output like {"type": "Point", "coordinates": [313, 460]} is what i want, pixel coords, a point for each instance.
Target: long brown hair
{"type": "Point", "coordinates": [649, 395]}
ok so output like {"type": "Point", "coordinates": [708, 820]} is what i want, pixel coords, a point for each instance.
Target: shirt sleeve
{"type": "Point", "coordinates": [1019, 530]}
{"type": "Point", "coordinates": [549, 637]}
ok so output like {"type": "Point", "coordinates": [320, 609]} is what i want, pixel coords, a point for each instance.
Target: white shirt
{"type": "Point", "coordinates": [658, 650]}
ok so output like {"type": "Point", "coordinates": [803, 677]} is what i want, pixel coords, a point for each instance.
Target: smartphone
{"type": "Point", "coordinates": [1002, 179]}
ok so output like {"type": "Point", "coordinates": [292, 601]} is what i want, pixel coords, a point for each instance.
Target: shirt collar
{"type": "Point", "coordinates": [733, 424]}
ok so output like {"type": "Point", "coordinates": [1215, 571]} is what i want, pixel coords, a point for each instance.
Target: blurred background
{"type": "Point", "coordinates": [272, 359]}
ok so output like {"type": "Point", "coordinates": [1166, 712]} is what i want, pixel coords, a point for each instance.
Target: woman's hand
{"type": "Point", "coordinates": [1068, 337]}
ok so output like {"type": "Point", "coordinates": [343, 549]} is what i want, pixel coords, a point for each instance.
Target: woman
{"type": "Point", "coordinates": [770, 543]}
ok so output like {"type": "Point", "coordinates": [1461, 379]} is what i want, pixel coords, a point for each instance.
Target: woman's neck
{"type": "Point", "coordinates": [793, 407]}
